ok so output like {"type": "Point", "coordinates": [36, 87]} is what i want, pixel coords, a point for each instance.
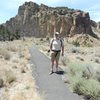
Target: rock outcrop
{"type": "Point", "coordinates": [98, 25]}
{"type": "Point", "coordinates": [39, 20]}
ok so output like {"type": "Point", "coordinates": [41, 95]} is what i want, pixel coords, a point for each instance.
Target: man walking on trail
{"type": "Point", "coordinates": [56, 46]}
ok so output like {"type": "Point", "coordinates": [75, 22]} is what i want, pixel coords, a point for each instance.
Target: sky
{"type": "Point", "coordinates": [9, 8]}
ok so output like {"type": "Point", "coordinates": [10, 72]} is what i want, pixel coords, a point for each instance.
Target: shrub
{"type": "Point", "coordinates": [5, 54]}
{"type": "Point", "coordinates": [77, 44]}
{"type": "Point", "coordinates": [81, 78]}
{"type": "Point", "coordinates": [97, 53]}
{"type": "Point", "coordinates": [85, 69]}
{"type": "Point", "coordinates": [66, 78]}
{"type": "Point", "coordinates": [74, 50]}
{"type": "Point", "coordinates": [97, 59]}
{"type": "Point", "coordinates": [41, 39]}
{"type": "Point", "coordinates": [9, 76]}
{"type": "Point", "coordinates": [91, 88]}
{"type": "Point", "coordinates": [47, 38]}
{"type": "Point", "coordinates": [21, 55]}
{"type": "Point", "coordinates": [23, 70]}
{"type": "Point", "coordinates": [75, 83]}
{"type": "Point", "coordinates": [80, 58]}
{"type": "Point", "coordinates": [97, 75]}
{"type": "Point", "coordinates": [13, 47]}
{"type": "Point", "coordinates": [75, 68]}
{"type": "Point", "coordinates": [5, 34]}
{"type": "Point", "coordinates": [27, 87]}
{"type": "Point", "coordinates": [88, 70]}
{"type": "Point", "coordinates": [88, 45]}
{"type": "Point", "coordinates": [37, 43]}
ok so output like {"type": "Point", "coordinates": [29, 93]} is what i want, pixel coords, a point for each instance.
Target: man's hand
{"type": "Point", "coordinates": [62, 54]}
{"type": "Point", "coordinates": [48, 51]}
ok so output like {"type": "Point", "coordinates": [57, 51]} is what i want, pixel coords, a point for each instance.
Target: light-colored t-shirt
{"type": "Point", "coordinates": [56, 44]}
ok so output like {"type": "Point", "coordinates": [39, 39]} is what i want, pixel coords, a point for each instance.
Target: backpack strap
{"type": "Point", "coordinates": [61, 42]}
{"type": "Point", "coordinates": [52, 41]}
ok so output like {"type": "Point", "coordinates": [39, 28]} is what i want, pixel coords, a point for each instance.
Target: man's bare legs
{"type": "Point", "coordinates": [52, 65]}
{"type": "Point", "coordinates": [56, 65]}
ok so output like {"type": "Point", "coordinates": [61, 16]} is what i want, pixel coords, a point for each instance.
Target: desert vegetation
{"type": "Point", "coordinates": [5, 34]}
{"type": "Point", "coordinates": [16, 80]}
{"type": "Point", "coordinates": [84, 79]}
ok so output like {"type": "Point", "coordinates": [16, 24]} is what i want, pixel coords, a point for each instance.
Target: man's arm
{"type": "Point", "coordinates": [62, 50]}
{"type": "Point", "coordinates": [50, 46]}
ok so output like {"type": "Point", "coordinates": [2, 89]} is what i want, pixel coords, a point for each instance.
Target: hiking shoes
{"type": "Point", "coordinates": [51, 72]}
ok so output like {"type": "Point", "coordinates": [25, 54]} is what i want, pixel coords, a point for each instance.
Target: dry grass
{"type": "Point", "coordinates": [9, 76]}
{"type": "Point", "coordinates": [5, 54]}
{"type": "Point", "coordinates": [83, 79]}
{"type": "Point", "coordinates": [15, 71]}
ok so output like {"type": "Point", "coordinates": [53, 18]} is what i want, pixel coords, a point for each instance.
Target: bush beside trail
{"type": "Point", "coordinates": [82, 77]}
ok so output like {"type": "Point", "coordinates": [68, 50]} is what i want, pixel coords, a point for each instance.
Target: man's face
{"type": "Point", "coordinates": [56, 35]}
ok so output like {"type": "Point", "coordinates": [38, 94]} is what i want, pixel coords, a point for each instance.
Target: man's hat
{"type": "Point", "coordinates": [57, 33]}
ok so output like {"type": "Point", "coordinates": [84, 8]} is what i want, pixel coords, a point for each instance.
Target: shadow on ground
{"type": "Point", "coordinates": [60, 72]}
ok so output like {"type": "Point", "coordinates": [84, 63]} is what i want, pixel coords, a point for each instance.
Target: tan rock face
{"type": "Point", "coordinates": [98, 25]}
{"type": "Point", "coordinates": [37, 20]}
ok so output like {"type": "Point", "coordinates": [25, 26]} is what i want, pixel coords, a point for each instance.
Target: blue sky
{"type": "Point", "coordinates": [9, 8]}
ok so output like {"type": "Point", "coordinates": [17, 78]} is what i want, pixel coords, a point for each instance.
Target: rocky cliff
{"type": "Point", "coordinates": [39, 20]}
